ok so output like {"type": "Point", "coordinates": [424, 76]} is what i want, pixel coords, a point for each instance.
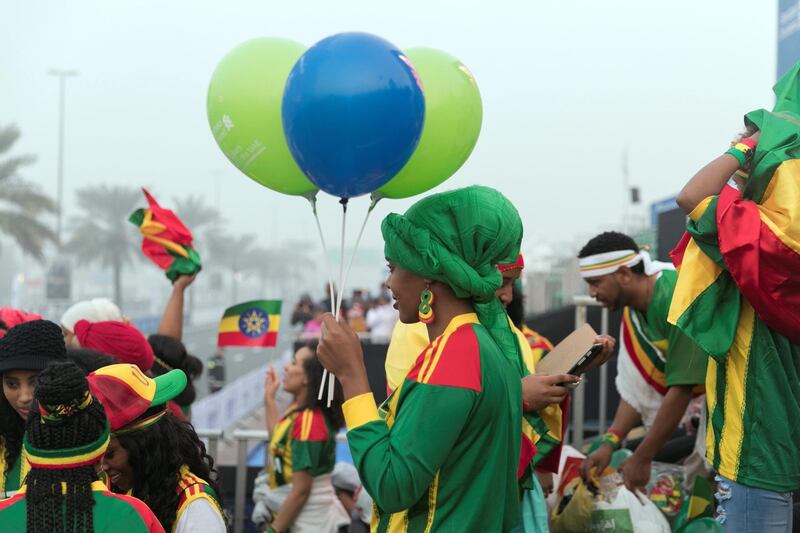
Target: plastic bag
{"type": "Point", "coordinates": [574, 508]}
{"type": "Point", "coordinates": [628, 513]}
{"type": "Point", "coordinates": [666, 488]}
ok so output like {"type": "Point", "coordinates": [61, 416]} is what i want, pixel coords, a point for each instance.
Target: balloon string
{"type": "Point", "coordinates": [375, 200]}
{"type": "Point", "coordinates": [331, 377]}
{"type": "Point", "coordinates": [313, 201]}
{"type": "Point", "coordinates": [343, 201]}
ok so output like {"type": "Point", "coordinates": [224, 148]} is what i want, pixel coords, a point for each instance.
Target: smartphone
{"type": "Point", "coordinates": [586, 360]}
{"type": "Point", "coordinates": [580, 367]}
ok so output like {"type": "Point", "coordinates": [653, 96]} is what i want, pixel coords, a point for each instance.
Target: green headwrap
{"type": "Point", "coordinates": [459, 238]}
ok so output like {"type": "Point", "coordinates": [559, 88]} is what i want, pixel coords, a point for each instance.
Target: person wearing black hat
{"type": "Point", "coordinates": [65, 438]}
{"type": "Point", "coordinates": [25, 351]}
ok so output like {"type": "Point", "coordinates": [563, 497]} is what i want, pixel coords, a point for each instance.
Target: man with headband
{"type": "Point", "coordinates": [659, 369]}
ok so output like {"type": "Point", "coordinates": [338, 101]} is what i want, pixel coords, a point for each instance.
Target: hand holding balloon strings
{"type": "Point", "coordinates": [312, 199]}
{"type": "Point", "coordinates": [352, 152]}
{"type": "Point", "coordinates": [268, 124]}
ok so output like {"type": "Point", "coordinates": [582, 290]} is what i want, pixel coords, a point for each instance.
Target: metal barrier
{"type": "Point", "coordinates": [243, 437]}
{"type": "Point", "coordinates": [582, 303]}
{"type": "Point", "coordinates": [212, 436]}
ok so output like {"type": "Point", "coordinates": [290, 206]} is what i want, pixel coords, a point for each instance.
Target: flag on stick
{"type": "Point", "coordinates": [253, 324]}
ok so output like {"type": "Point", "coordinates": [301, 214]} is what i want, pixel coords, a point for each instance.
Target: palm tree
{"type": "Point", "coordinates": [21, 203]}
{"type": "Point", "coordinates": [236, 254]}
{"type": "Point", "coordinates": [198, 216]}
{"type": "Point", "coordinates": [102, 232]}
{"type": "Point", "coordinates": [201, 219]}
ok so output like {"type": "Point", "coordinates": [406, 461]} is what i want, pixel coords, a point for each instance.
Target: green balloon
{"type": "Point", "coordinates": [244, 111]}
{"type": "Point", "coordinates": [453, 116]}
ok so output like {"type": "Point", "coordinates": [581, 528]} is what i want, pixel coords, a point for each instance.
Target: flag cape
{"type": "Point", "coordinates": [738, 298]}
{"type": "Point", "coordinates": [748, 243]}
{"type": "Point", "coordinates": [253, 324]}
{"type": "Point", "coordinates": [167, 242]}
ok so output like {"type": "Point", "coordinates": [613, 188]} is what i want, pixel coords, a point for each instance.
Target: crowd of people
{"type": "Point", "coordinates": [96, 431]}
{"type": "Point", "coordinates": [95, 421]}
{"type": "Point", "coordinates": [468, 420]}
{"type": "Point", "coordinates": [372, 317]}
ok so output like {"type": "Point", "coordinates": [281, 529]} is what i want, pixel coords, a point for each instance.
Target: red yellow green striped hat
{"type": "Point", "coordinates": [126, 393]}
{"type": "Point", "coordinates": [65, 458]}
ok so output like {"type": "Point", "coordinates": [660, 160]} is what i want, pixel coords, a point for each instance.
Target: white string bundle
{"type": "Point", "coordinates": [337, 300]}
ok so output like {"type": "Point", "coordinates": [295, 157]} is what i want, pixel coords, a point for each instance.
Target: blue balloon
{"type": "Point", "coordinates": [353, 111]}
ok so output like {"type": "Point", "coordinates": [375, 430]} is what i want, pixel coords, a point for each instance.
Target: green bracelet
{"type": "Point", "coordinates": [739, 155]}
{"type": "Point", "coordinates": [612, 440]}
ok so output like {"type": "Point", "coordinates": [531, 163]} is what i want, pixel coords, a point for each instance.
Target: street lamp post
{"type": "Point", "coordinates": [62, 75]}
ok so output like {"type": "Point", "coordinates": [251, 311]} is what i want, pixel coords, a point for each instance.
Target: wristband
{"type": "Point", "coordinates": [612, 438]}
{"type": "Point", "coordinates": [743, 151]}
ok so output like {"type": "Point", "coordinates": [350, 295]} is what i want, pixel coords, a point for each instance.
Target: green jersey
{"type": "Point", "coordinates": [303, 439]}
{"type": "Point", "coordinates": [111, 513]}
{"type": "Point", "coordinates": [442, 453]}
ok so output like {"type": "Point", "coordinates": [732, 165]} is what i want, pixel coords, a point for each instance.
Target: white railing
{"type": "Point", "coordinates": [582, 303]}
{"type": "Point", "coordinates": [243, 438]}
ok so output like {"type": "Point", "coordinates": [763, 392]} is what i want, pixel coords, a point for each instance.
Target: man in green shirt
{"type": "Point", "coordinates": [659, 368]}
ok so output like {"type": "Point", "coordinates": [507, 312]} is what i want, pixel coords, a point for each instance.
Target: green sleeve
{"type": "Point", "coordinates": [397, 465]}
{"type": "Point", "coordinates": [685, 361]}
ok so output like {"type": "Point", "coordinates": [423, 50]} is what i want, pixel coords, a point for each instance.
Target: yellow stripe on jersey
{"type": "Point", "coordinates": [432, 493]}
{"type": "Point", "coordinates": [736, 385]}
{"type": "Point", "coordinates": [711, 403]}
{"type": "Point", "coordinates": [441, 343]}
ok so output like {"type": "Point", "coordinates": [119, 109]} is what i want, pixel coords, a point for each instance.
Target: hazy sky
{"type": "Point", "coordinates": [566, 87]}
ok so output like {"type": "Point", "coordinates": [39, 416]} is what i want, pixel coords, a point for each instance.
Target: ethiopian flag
{"type": "Point", "coordinates": [738, 298]}
{"type": "Point", "coordinates": [166, 241]}
{"type": "Point", "coordinates": [252, 324]}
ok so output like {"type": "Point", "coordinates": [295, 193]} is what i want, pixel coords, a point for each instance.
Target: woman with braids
{"type": "Point", "coordinates": [25, 350]}
{"type": "Point", "coordinates": [66, 435]}
{"type": "Point", "coordinates": [153, 455]}
{"type": "Point", "coordinates": [299, 495]}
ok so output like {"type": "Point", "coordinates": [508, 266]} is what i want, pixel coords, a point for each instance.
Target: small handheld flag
{"type": "Point", "coordinates": [167, 242]}
{"type": "Point", "coordinates": [253, 324]}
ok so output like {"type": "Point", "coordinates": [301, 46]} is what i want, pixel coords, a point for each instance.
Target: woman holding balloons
{"type": "Point", "coordinates": [447, 440]}
{"type": "Point", "coordinates": [348, 116]}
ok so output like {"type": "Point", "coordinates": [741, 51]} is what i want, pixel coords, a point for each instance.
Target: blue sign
{"type": "Point", "coordinates": [788, 35]}
{"type": "Point", "coordinates": [656, 208]}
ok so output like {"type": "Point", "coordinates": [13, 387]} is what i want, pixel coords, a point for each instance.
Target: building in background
{"type": "Point", "coordinates": [552, 281]}
{"type": "Point", "coordinates": [788, 35]}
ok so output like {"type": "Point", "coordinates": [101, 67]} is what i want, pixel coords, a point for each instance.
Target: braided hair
{"type": "Point", "coordinates": [12, 427]}
{"type": "Point", "coordinates": [62, 383]}
{"type": "Point", "coordinates": [156, 455]}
